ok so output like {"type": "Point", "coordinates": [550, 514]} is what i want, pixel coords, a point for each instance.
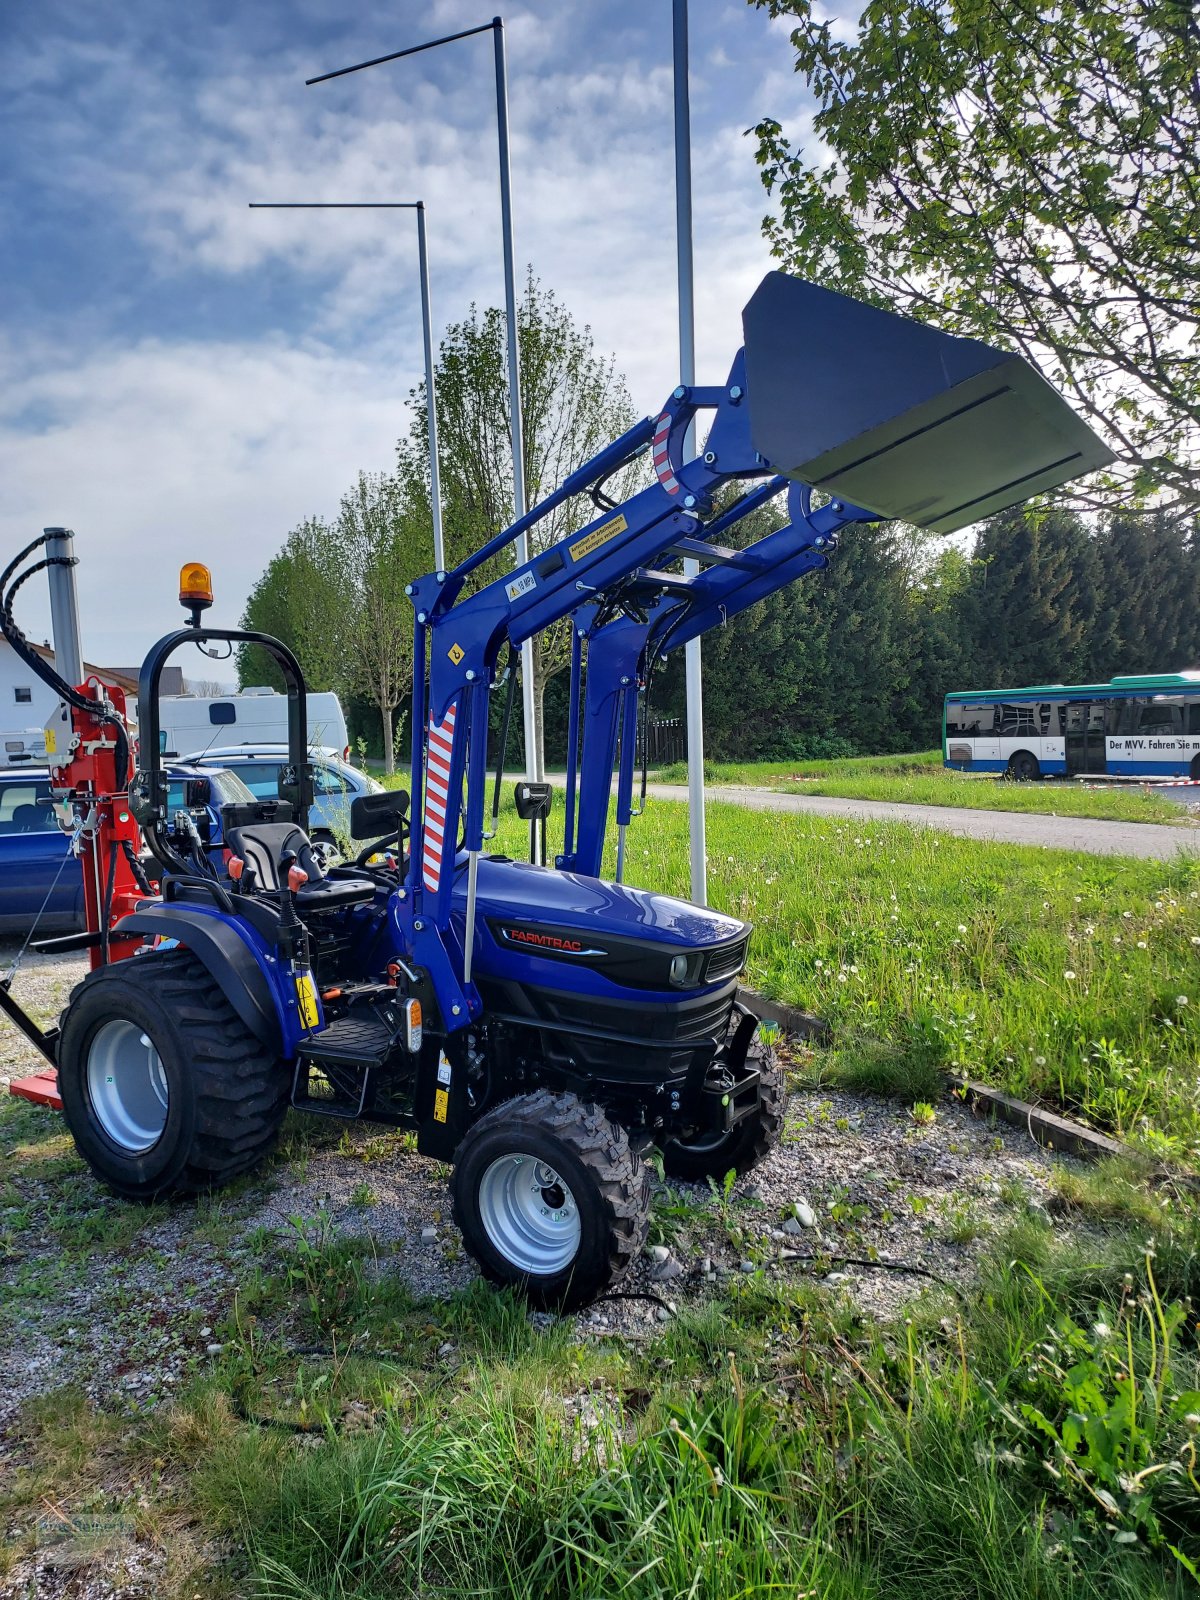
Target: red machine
{"type": "Point", "coordinates": [90, 761]}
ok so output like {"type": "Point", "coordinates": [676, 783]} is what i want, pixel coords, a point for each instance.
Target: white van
{"type": "Point", "coordinates": [253, 716]}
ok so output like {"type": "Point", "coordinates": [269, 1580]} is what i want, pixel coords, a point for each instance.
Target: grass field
{"type": "Point", "coordinates": [1032, 1433]}
{"type": "Point", "coordinates": [920, 779]}
{"type": "Point", "coordinates": [1057, 975]}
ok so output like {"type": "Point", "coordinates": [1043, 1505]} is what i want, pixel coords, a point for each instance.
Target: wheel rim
{"type": "Point", "coordinates": [529, 1214]}
{"type": "Point", "coordinates": [127, 1086]}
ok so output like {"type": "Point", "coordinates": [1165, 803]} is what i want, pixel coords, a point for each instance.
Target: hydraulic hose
{"type": "Point", "coordinates": [42, 668]}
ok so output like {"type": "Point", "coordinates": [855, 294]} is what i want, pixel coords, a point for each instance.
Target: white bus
{"type": "Point", "coordinates": [190, 722]}
{"type": "Point", "coordinates": [1146, 727]}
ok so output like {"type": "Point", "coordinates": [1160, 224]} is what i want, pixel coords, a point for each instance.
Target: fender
{"type": "Point", "coordinates": [227, 958]}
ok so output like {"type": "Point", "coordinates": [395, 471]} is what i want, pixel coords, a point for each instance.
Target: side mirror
{"type": "Point", "coordinates": [533, 800]}
{"type": "Point", "coordinates": [372, 816]}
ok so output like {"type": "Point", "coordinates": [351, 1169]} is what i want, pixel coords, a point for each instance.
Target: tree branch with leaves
{"type": "Point", "coordinates": [1024, 174]}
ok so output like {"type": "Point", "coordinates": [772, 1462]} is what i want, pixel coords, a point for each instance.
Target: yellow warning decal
{"type": "Point", "coordinates": [441, 1104]}
{"type": "Point", "coordinates": [456, 653]}
{"type": "Point", "coordinates": [598, 536]}
{"type": "Point", "coordinates": [51, 742]}
{"type": "Point", "coordinates": [306, 996]}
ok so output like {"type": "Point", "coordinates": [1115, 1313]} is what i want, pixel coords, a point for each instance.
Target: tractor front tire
{"type": "Point", "coordinates": [550, 1199]}
{"type": "Point", "coordinates": [747, 1142]}
{"type": "Point", "coordinates": [164, 1089]}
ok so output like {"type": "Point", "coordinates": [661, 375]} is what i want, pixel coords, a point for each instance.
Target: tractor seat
{"type": "Point", "coordinates": [262, 846]}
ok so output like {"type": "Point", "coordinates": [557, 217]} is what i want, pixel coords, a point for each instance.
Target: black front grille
{"type": "Point", "coordinates": [615, 1040]}
{"type": "Point", "coordinates": [726, 962]}
{"type": "Point", "coordinates": [707, 1021]}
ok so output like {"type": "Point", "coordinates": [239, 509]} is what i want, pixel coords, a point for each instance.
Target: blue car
{"type": "Point", "coordinates": [336, 785]}
{"type": "Point", "coordinates": [35, 864]}
{"type": "Point", "coordinates": [37, 873]}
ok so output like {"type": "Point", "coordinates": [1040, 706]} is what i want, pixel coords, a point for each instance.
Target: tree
{"type": "Point", "coordinates": [380, 547]}
{"type": "Point", "coordinates": [301, 599]}
{"type": "Point", "coordinates": [1032, 600]}
{"type": "Point", "coordinates": [1026, 174]}
{"type": "Point", "coordinates": [573, 403]}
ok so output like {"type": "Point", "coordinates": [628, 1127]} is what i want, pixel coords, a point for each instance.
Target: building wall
{"type": "Point", "coordinates": [16, 676]}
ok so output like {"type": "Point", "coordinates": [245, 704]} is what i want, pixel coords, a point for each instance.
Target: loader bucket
{"type": "Point", "coordinates": [898, 417]}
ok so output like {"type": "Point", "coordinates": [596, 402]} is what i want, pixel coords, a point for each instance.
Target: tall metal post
{"type": "Point", "coordinates": [534, 761]}
{"type": "Point", "coordinates": [64, 606]}
{"type": "Point", "coordinates": [687, 374]}
{"type": "Point", "coordinates": [435, 476]}
{"type": "Point", "coordinates": [534, 756]}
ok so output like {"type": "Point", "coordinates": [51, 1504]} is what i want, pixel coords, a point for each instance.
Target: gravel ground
{"type": "Point", "coordinates": [126, 1302]}
{"type": "Point", "coordinates": [853, 1176]}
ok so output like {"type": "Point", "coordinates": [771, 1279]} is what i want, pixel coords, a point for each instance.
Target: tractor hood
{"type": "Point", "coordinates": [629, 936]}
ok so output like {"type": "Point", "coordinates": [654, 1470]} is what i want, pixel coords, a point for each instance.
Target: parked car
{"type": "Point", "coordinates": [36, 872]}
{"type": "Point", "coordinates": [336, 784]}
{"type": "Point", "coordinates": [34, 865]}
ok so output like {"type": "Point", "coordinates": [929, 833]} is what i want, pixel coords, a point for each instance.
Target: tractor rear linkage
{"type": "Point", "coordinates": [539, 1027]}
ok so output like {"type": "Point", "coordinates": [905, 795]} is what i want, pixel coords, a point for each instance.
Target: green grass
{"type": "Point", "coordinates": [1057, 975]}
{"type": "Point", "coordinates": [767, 1442]}
{"type": "Point", "coordinates": [920, 779]}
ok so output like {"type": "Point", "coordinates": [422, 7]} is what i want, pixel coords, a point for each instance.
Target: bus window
{"type": "Point", "coordinates": [1017, 721]}
{"type": "Point", "coordinates": [1192, 715]}
{"type": "Point", "coordinates": [969, 721]}
{"type": "Point", "coordinates": [1161, 716]}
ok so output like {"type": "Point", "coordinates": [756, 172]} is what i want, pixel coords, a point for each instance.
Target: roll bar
{"type": "Point", "coordinates": [150, 785]}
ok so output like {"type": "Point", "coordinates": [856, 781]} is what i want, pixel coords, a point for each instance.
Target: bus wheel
{"type": "Point", "coordinates": [1024, 767]}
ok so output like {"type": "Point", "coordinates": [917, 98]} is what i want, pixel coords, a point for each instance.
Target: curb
{"type": "Point", "coordinates": [1046, 1127]}
{"type": "Point", "coordinates": [1055, 1132]}
{"type": "Point", "coordinates": [790, 1018]}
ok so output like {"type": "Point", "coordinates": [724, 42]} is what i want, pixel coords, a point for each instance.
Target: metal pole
{"type": "Point", "coordinates": [534, 763]}
{"type": "Point", "coordinates": [687, 374]}
{"type": "Point", "coordinates": [435, 477]}
{"type": "Point", "coordinates": [64, 607]}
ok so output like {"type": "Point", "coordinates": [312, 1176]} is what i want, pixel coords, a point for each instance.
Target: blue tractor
{"type": "Point", "coordinates": [540, 1027]}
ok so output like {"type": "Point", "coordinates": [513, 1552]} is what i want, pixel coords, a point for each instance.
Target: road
{"type": "Point", "coordinates": [1157, 841]}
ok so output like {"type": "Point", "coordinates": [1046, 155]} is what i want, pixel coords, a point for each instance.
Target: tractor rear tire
{"type": "Point", "coordinates": [747, 1142]}
{"type": "Point", "coordinates": [550, 1199]}
{"type": "Point", "coordinates": [164, 1089]}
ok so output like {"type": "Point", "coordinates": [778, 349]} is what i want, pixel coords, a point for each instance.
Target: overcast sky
{"type": "Point", "coordinates": [183, 378]}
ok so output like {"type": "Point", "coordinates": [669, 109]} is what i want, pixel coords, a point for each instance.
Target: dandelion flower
{"type": "Point", "coordinates": [1068, 974]}
{"type": "Point", "coordinates": [1182, 1000]}
{"type": "Point", "coordinates": [1101, 1330]}
{"type": "Point", "coordinates": [1141, 944]}
{"type": "Point", "coordinates": [962, 927]}
{"type": "Point", "coordinates": [1128, 915]}
{"type": "Point", "coordinates": [1039, 1061]}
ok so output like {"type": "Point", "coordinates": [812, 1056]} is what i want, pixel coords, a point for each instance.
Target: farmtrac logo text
{"type": "Point", "coordinates": [549, 941]}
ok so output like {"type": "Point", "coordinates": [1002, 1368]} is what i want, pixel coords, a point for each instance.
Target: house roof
{"type": "Point", "coordinates": [120, 678]}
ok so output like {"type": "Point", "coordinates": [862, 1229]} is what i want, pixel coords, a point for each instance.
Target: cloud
{"type": "Point", "coordinates": [198, 377]}
{"type": "Point", "coordinates": [158, 454]}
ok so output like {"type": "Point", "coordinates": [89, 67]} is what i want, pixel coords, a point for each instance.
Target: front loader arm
{"type": "Point", "coordinates": [878, 411]}
{"type": "Point", "coordinates": [621, 649]}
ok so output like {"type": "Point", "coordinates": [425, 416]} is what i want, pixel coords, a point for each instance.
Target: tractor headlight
{"type": "Point", "coordinates": [679, 970]}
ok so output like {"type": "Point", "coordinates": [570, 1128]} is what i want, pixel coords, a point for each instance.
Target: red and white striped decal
{"type": "Point", "coordinates": [437, 794]}
{"type": "Point", "coordinates": [660, 450]}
